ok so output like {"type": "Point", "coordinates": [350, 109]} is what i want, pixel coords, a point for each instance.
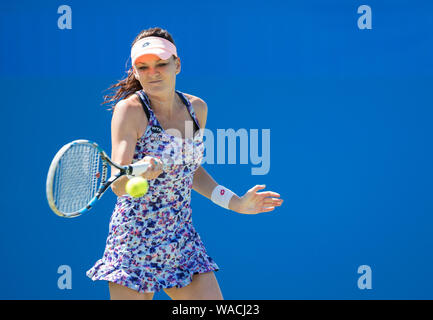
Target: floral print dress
{"type": "Point", "coordinates": [152, 243]}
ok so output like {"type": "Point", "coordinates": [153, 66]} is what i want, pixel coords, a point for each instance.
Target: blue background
{"type": "Point", "coordinates": [349, 110]}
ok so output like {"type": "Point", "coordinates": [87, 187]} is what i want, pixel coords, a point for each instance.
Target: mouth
{"type": "Point", "coordinates": [157, 81]}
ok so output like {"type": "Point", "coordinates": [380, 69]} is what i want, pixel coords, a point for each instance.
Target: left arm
{"type": "Point", "coordinates": [204, 184]}
{"type": "Point", "coordinates": [252, 202]}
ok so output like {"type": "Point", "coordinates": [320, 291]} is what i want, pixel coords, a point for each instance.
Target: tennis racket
{"type": "Point", "coordinates": [77, 177]}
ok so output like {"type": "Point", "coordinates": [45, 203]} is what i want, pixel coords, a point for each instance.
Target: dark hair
{"type": "Point", "coordinates": [129, 85]}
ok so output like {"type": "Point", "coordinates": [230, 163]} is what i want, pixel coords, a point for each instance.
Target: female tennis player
{"type": "Point", "coordinates": [152, 244]}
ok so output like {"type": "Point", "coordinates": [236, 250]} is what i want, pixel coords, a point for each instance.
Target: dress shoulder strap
{"type": "Point", "coordinates": [144, 102]}
{"type": "Point", "coordinates": [189, 107]}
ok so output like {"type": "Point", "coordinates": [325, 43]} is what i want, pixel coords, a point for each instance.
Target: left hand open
{"type": "Point", "coordinates": [254, 202]}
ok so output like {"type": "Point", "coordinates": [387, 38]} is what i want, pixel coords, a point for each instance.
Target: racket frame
{"type": "Point", "coordinates": [129, 170]}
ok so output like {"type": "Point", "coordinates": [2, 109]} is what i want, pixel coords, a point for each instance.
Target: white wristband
{"type": "Point", "coordinates": [221, 196]}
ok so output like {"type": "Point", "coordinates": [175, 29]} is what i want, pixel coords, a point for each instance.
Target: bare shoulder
{"type": "Point", "coordinates": [198, 103]}
{"type": "Point", "coordinates": [129, 114]}
{"type": "Point", "coordinates": [129, 104]}
{"type": "Point", "coordinates": [129, 108]}
{"type": "Point", "coordinates": [200, 108]}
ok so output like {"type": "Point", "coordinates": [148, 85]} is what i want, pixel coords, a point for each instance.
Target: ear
{"type": "Point", "coordinates": [177, 61]}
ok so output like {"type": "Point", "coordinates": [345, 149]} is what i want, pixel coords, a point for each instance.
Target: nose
{"type": "Point", "coordinates": [152, 71]}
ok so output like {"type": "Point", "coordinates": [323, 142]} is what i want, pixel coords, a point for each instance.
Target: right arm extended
{"type": "Point", "coordinates": [126, 122]}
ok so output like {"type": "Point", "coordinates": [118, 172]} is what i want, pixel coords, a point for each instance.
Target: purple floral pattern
{"type": "Point", "coordinates": [152, 243]}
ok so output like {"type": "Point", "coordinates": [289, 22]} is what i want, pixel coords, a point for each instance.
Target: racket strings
{"type": "Point", "coordinates": [94, 173]}
{"type": "Point", "coordinates": [76, 178]}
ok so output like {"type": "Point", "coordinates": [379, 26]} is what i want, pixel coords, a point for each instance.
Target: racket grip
{"type": "Point", "coordinates": [137, 169]}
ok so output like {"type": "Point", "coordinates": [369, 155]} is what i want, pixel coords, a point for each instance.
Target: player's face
{"type": "Point", "coordinates": [156, 74]}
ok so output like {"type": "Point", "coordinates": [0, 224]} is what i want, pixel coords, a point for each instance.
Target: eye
{"type": "Point", "coordinates": [159, 65]}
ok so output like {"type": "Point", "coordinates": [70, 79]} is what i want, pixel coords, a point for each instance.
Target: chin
{"type": "Point", "coordinates": [157, 88]}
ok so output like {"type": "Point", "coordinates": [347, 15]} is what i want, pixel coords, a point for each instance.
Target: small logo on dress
{"type": "Point", "coordinates": [156, 129]}
{"type": "Point", "coordinates": [222, 192]}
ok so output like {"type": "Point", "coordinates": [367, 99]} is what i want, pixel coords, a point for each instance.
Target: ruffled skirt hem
{"type": "Point", "coordinates": [147, 279]}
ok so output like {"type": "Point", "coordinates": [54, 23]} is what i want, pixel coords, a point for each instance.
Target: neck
{"type": "Point", "coordinates": [164, 104]}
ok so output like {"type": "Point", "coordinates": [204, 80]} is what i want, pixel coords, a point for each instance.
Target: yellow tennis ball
{"type": "Point", "coordinates": [137, 187]}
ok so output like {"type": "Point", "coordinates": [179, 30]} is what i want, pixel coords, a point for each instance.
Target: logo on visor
{"type": "Point", "coordinates": [145, 44]}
